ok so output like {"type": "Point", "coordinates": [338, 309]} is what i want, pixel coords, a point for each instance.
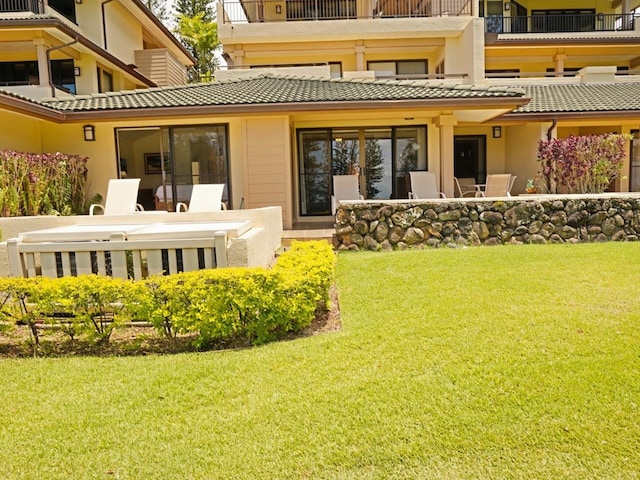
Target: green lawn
{"type": "Point", "coordinates": [519, 362]}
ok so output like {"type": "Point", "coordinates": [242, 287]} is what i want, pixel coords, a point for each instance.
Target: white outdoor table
{"type": "Point", "coordinates": [179, 230]}
{"type": "Point", "coordinates": [78, 233]}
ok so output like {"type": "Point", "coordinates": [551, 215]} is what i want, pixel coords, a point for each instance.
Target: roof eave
{"type": "Point", "coordinates": [548, 116]}
{"type": "Point", "coordinates": [202, 110]}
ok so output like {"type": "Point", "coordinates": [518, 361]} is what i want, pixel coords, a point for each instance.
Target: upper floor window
{"type": "Point", "coordinates": [26, 73]}
{"type": "Point", "coordinates": [65, 7]}
{"type": "Point", "coordinates": [105, 81]}
{"type": "Point", "coordinates": [401, 69]}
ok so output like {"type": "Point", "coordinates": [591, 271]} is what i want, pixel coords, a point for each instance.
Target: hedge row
{"type": "Point", "coordinates": [253, 304]}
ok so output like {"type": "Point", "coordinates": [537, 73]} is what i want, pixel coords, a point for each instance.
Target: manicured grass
{"type": "Point", "coordinates": [481, 363]}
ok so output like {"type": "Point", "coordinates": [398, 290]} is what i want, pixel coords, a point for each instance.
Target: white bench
{"type": "Point", "coordinates": [58, 259]}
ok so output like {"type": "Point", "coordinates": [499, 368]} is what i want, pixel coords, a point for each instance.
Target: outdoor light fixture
{"type": "Point", "coordinates": [89, 133]}
{"type": "Point", "coordinates": [278, 9]}
{"type": "Point", "coordinates": [76, 71]}
{"type": "Point", "coordinates": [507, 6]}
{"type": "Point", "coordinates": [78, 1]}
{"type": "Point", "coordinates": [601, 17]}
{"type": "Point", "coordinates": [497, 132]}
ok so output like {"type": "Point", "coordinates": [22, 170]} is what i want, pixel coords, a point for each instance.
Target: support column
{"type": "Point", "coordinates": [559, 59]}
{"type": "Point", "coordinates": [359, 50]}
{"type": "Point", "coordinates": [238, 57]}
{"type": "Point", "coordinates": [445, 124]}
{"type": "Point", "coordinates": [43, 65]}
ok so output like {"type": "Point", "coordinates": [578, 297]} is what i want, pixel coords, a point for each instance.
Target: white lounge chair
{"type": "Point", "coordinates": [206, 197]}
{"type": "Point", "coordinates": [122, 197]}
{"type": "Point", "coordinates": [345, 187]}
{"type": "Point", "coordinates": [423, 185]}
{"type": "Point", "coordinates": [497, 186]}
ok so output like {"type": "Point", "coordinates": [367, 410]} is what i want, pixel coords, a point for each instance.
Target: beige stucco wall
{"type": "Point", "coordinates": [267, 163]}
{"type": "Point", "coordinates": [20, 133]}
{"type": "Point", "coordinates": [521, 147]}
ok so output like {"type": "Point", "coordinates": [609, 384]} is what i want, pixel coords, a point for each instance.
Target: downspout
{"type": "Point", "coordinates": [104, 24]}
{"type": "Point", "coordinates": [553, 125]}
{"type": "Point", "coordinates": [49, 50]}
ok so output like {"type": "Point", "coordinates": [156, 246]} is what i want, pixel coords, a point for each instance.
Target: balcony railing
{"type": "Point", "coordinates": [11, 6]}
{"type": "Point", "coordinates": [597, 22]}
{"type": "Point", "coordinates": [255, 11]}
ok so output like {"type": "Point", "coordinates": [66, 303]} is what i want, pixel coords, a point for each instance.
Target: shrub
{"type": "Point", "coordinates": [251, 305]}
{"type": "Point", "coordinates": [582, 164]}
{"type": "Point", "coordinates": [45, 184]}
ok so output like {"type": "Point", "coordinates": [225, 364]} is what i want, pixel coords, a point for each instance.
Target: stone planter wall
{"type": "Point", "coordinates": [400, 224]}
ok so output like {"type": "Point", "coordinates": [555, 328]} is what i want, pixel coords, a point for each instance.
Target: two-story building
{"type": "Point", "coordinates": [316, 88]}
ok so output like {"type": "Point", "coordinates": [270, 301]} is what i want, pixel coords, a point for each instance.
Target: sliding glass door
{"type": "Point", "coordinates": [381, 157]}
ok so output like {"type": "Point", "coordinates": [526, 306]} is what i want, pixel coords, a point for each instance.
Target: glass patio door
{"type": "Point", "coordinates": [381, 157]}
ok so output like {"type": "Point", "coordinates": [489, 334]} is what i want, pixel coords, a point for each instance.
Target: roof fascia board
{"type": "Point", "coordinates": [26, 107]}
{"type": "Point", "coordinates": [548, 116]}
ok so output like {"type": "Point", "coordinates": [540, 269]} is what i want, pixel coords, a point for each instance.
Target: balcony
{"type": "Point", "coordinates": [260, 11]}
{"type": "Point", "coordinates": [14, 6]}
{"type": "Point", "coordinates": [596, 22]}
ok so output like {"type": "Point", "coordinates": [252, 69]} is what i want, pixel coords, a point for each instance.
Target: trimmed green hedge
{"type": "Point", "coordinates": [255, 305]}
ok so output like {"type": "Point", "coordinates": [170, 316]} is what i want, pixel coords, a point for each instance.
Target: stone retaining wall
{"type": "Point", "coordinates": [400, 224]}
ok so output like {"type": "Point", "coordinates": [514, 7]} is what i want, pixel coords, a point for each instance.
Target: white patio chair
{"type": "Point", "coordinates": [465, 187]}
{"type": "Point", "coordinates": [206, 197]}
{"type": "Point", "coordinates": [497, 186]}
{"type": "Point", "coordinates": [423, 185]}
{"type": "Point", "coordinates": [122, 197]}
{"type": "Point", "coordinates": [345, 187]}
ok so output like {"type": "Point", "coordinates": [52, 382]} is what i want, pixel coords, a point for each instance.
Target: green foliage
{"type": "Point", "coordinates": [94, 304]}
{"type": "Point", "coordinates": [46, 184]}
{"type": "Point", "coordinates": [198, 31]}
{"type": "Point", "coordinates": [252, 305]}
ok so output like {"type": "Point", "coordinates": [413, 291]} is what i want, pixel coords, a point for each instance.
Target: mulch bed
{"type": "Point", "coordinates": [138, 340]}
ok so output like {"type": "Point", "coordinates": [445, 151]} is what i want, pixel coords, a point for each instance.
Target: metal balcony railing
{"type": "Point", "coordinates": [596, 22]}
{"type": "Point", "coordinates": [256, 11]}
{"type": "Point", "coordinates": [9, 6]}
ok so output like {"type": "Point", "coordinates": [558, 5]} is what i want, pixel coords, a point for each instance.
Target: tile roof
{"type": "Point", "coordinates": [609, 97]}
{"type": "Point", "coordinates": [271, 89]}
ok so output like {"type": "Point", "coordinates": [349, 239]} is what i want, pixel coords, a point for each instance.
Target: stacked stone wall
{"type": "Point", "coordinates": [401, 224]}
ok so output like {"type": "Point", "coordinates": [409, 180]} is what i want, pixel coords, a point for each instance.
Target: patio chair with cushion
{"type": "Point", "coordinates": [345, 187]}
{"type": "Point", "coordinates": [122, 197]}
{"type": "Point", "coordinates": [206, 197]}
{"type": "Point", "coordinates": [423, 185]}
{"type": "Point", "coordinates": [497, 186]}
{"type": "Point", "coordinates": [465, 187]}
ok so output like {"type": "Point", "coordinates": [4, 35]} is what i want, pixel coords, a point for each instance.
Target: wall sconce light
{"type": "Point", "coordinates": [278, 9]}
{"type": "Point", "coordinates": [601, 17]}
{"type": "Point", "coordinates": [78, 2]}
{"type": "Point", "coordinates": [497, 132]}
{"type": "Point", "coordinates": [76, 71]}
{"type": "Point", "coordinates": [507, 6]}
{"type": "Point", "coordinates": [89, 133]}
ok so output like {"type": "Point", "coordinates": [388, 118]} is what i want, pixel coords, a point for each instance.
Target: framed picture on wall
{"type": "Point", "coordinates": [152, 163]}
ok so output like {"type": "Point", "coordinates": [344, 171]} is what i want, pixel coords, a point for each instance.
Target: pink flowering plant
{"type": "Point", "coordinates": [582, 164]}
{"type": "Point", "coordinates": [42, 184]}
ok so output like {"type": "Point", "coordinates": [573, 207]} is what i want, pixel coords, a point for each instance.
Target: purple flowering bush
{"type": "Point", "coordinates": [582, 164]}
{"type": "Point", "coordinates": [42, 184]}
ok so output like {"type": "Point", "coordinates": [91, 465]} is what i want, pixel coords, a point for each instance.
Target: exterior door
{"type": "Point", "coordinates": [469, 157]}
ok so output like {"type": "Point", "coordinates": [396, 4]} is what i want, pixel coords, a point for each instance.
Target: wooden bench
{"type": "Point", "coordinates": [116, 257]}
